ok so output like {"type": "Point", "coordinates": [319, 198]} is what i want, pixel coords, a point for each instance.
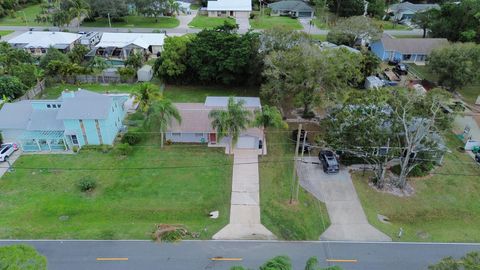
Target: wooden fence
{"type": "Point", "coordinates": [33, 92]}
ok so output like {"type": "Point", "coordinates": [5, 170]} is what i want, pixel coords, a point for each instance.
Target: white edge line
{"type": "Point", "coordinates": [246, 241]}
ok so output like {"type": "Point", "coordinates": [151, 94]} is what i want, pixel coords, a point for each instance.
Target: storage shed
{"type": "Point", "coordinates": [145, 74]}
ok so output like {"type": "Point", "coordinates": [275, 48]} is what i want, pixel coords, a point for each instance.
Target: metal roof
{"type": "Point", "coordinates": [229, 5]}
{"type": "Point", "coordinates": [249, 102]}
{"type": "Point", "coordinates": [121, 40]}
{"type": "Point", "coordinates": [291, 5]}
{"type": "Point", "coordinates": [85, 105]}
{"type": "Point", "coordinates": [43, 39]}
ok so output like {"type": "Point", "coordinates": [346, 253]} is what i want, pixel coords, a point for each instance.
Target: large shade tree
{"type": "Point", "coordinates": [160, 115]}
{"type": "Point", "coordinates": [21, 257]}
{"type": "Point", "coordinates": [231, 121]}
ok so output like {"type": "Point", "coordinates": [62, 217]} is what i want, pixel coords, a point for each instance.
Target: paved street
{"type": "Point", "coordinates": [245, 203]}
{"type": "Point", "coordinates": [348, 220]}
{"type": "Point", "coordinates": [188, 255]}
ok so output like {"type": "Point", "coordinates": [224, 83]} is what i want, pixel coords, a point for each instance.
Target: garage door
{"type": "Point", "coordinates": [246, 142]}
{"type": "Point", "coordinates": [304, 14]}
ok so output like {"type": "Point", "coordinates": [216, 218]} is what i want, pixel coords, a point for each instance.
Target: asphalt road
{"type": "Point", "coordinates": [178, 30]}
{"type": "Point", "coordinates": [190, 255]}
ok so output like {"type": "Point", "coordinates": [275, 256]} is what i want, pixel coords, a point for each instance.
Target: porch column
{"type": "Point", "coordinates": [48, 144]}
{"type": "Point", "coordinates": [38, 145]}
{"type": "Point", "coordinates": [65, 143]}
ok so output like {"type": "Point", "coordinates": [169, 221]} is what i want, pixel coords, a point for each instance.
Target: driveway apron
{"type": "Point", "coordinates": [348, 220]}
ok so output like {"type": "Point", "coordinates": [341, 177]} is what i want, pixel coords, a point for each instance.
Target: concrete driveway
{"type": "Point", "coordinates": [11, 159]}
{"type": "Point", "coordinates": [243, 24]}
{"type": "Point", "coordinates": [348, 219]}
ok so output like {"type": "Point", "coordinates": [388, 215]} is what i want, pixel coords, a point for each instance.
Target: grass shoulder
{"type": "Point", "coordinates": [205, 22]}
{"type": "Point", "coordinates": [444, 208]}
{"type": "Point", "coordinates": [268, 22]}
{"type": "Point", "coordinates": [305, 220]}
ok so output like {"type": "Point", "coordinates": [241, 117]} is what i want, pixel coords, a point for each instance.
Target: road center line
{"type": "Point", "coordinates": [112, 259]}
{"type": "Point", "coordinates": [342, 260]}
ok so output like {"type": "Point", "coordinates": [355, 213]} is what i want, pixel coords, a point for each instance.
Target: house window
{"type": "Point", "coordinates": [407, 57]}
{"type": "Point", "coordinates": [43, 50]}
{"type": "Point", "coordinates": [198, 135]}
{"type": "Point", "coordinates": [49, 106]}
{"type": "Point", "coordinates": [59, 105]}
{"type": "Point", "coordinates": [176, 134]}
{"type": "Point", "coordinates": [74, 139]}
{"type": "Point", "coordinates": [54, 106]}
{"type": "Point", "coordinates": [32, 50]}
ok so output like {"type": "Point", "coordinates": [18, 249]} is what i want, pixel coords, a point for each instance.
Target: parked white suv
{"type": "Point", "coordinates": [7, 150]}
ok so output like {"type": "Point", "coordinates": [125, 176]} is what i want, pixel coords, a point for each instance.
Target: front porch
{"type": "Point", "coordinates": [41, 141]}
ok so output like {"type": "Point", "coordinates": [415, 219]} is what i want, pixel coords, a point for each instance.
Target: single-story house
{"type": "Point", "coordinates": [415, 50]}
{"type": "Point", "coordinates": [196, 125]}
{"type": "Point", "coordinates": [76, 118]}
{"type": "Point", "coordinates": [121, 45]}
{"type": "Point", "coordinates": [292, 8]}
{"type": "Point", "coordinates": [404, 11]}
{"type": "Point", "coordinates": [38, 42]}
{"type": "Point", "coordinates": [229, 8]}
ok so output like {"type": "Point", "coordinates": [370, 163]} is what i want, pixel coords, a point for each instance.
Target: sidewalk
{"type": "Point", "coordinates": [245, 202]}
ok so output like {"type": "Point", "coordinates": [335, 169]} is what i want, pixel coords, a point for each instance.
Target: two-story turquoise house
{"type": "Point", "coordinates": [76, 118]}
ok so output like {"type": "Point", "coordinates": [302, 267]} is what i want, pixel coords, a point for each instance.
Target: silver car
{"type": "Point", "coordinates": [6, 151]}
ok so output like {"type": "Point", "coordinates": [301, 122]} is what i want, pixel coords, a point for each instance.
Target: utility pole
{"type": "Point", "coordinates": [303, 150]}
{"type": "Point", "coordinates": [294, 172]}
{"type": "Point", "coordinates": [385, 162]}
{"type": "Point", "coordinates": [109, 22]}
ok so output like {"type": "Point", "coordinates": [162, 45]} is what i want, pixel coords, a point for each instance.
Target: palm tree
{"type": "Point", "coordinates": [232, 121]}
{"type": "Point", "coordinates": [39, 75]}
{"type": "Point", "coordinates": [160, 115]}
{"type": "Point", "coordinates": [145, 94]}
{"type": "Point", "coordinates": [173, 7]}
{"type": "Point", "coordinates": [268, 117]}
{"type": "Point", "coordinates": [101, 64]}
{"type": "Point", "coordinates": [79, 8]}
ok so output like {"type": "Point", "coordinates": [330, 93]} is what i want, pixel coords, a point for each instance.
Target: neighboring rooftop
{"type": "Point", "coordinates": [120, 40]}
{"type": "Point", "coordinates": [399, 7]}
{"type": "Point", "coordinates": [299, 6]}
{"type": "Point", "coordinates": [44, 39]}
{"type": "Point", "coordinates": [412, 45]}
{"type": "Point", "coordinates": [233, 5]}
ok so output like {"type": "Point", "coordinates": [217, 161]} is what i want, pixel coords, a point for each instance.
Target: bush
{"type": "Point", "coordinates": [422, 169]}
{"type": "Point", "coordinates": [124, 149]}
{"type": "Point", "coordinates": [340, 38]}
{"type": "Point", "coordinates": [126, 73]}
{"type": "Point", "coordinates": [87, 184]}
{"type": "Point", "coordinates": [104, 148]}
{"type": "Point", "coordinates": [132, 138]}
{"type": "Point", "coordinates": [75, 149]}
{"type": "Point", "coordinates": [136, 116]}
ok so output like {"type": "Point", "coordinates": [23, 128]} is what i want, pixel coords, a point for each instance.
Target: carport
{"type": "Point", "coordinates": [247, 142]}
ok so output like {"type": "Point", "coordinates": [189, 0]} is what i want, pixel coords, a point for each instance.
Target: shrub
{"type": "Point", "coordinates": [422, 169]}
{"type": "Point", "coordinates": [132, 138]}
{"type": "Point", "coordinates": [137, 116]}
{"type": "Point", "coordinates": [75, 149]}
{"type": "Point", "coordinates": [126, 73]}
{"type": "Point", "coordinates": [87, 184]}
{"type": "Point", "coordinates": [124, 149]}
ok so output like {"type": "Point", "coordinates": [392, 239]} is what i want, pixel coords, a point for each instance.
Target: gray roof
{"type": "Point", "coordinates": [250, 102]}
{"type": "Point", "coordinates": [412, 45]}
{"type": "Point", "coordinates": [291, 5]}
{"type": "Point", "coordinates": [15, 115]}
{"type": "Point", "coordinates": [413, 7]}
{"type": "Point", "coordinates": [85, 105]}
{"type": "Point", "coordinates": [45, 120]}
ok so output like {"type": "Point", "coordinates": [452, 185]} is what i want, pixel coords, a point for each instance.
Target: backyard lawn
{"type": "Point", "coordinates": [445, 207]}
{"type": "Point", "coordinates": [305, 220]}
{"type": "Point", "coordinates": [202, 21]}
{"type": "Point", "coordinates": [179, 184]}
{"type": "Point", "coordinates": [18, 19]}
{"type": "Point", "coordinates": [267, 22]}
{"type": "Point", "coordinates": [137, 22]}
{"type": "Point", "coordinates": [175, 93]}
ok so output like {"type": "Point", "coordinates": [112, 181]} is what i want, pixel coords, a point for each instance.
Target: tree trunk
{"type": "Point", "coordinates": [424, 32]}
{"type": "Point", "coordinates": [161, 139]}
{"type": "Point", "coordinates": [402, 178]}
{"type": "Point", "coordinates": [263, 145]}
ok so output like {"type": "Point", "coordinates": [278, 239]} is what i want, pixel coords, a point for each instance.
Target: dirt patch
{"type": "Point", "coordinates": [390, 187]}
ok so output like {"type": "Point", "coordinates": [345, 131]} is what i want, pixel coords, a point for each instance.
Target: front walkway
{"type": "Point", "coordinates": [348, 219]}
{"type": "Point", "coordinates": [243, 24]}
{"type": "Point", "coordinates": [185, 19]}
{"type": "Point", "coordinates": [245, 202]}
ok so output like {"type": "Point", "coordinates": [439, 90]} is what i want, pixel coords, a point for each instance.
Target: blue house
{"type": "Point", "coordinates": [414, 50]}
{"type": "Point", "coordinates": [77, 118]}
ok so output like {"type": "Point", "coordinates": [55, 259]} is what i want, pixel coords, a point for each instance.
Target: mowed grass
{"type": "Point", "coordinates": [18, 19]}
{"type": "Point", "coordinates": [136, 22]}
{"type": "Point", "coordinates": [5, 32]}
{"type": "Point", "coordinates": [387, 25]}
{"type": "Point", "coordinates": [304, 220]}
{"type": "Point", "coordinates": [268, 22]}
{"type": "Point", "coordinates": [205, 22]}
{"type": "Point", "coordinates": [445, 207]}
{"type": "Point", "coordinates": [176, 93]}
{"type": "Point", "coordinates": [179, 184]}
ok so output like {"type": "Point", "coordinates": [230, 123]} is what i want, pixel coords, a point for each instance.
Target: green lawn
{"type": "Point", "coordinates": [267, 22]}
{"type": "Point", "coordinates": [177, 93]}
{"type": "Point", "coordinates": [18, 19]}
{"type": "Point", "coordinates": [445, 207]}
{"type": "Point", "coordinates": [195, 6]}
{"type": "Point", "coordinates": [470, 93]}
{"type": "Point", "coordinates": [137, 22]}
{"type": "Point", "coordinates": [407, 36]}
{"type": "Point", "coordinates": [5, 32]}
{"type": "Point", "coordinates": [202, 21]}
{"type": "Point", "coordinates": [305, 220]}
{"type": "Point", "coordinates": [179, 184]}
{"type": "Point", "coordinates": [318, 37]}
{"type": "Point", "coordinates": [386, 25]}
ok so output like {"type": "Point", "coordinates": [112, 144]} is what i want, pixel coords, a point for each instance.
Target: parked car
{"type": "Point", "coordinates": [401, 69]}
{"type": "Point", "coordinates": [477, 157]}
{"type": "Point", "coordinates": [6, 151]}
{"type": "Point", "coordinates": [329, 161]}
{"type": "Point", "coordinates": [394, 62]}
{"type": "Point", "coordinates": [14, 145]}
